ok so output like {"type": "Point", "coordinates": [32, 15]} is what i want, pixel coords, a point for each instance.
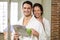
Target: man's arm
{"type": "Point", "coordinates": [5, 35]}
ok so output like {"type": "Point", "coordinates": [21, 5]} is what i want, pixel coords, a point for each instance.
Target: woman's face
{"type": "Point", "coordinates": [37, 11]}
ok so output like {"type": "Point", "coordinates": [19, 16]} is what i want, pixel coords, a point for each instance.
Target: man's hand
{"type": "Point", "coordinates": [16, 36]}
{"type": "Point", "coordinates": [5, 35]}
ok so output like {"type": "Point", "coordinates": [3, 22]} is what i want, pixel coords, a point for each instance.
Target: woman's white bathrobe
{"type": "Point", "coordinates": [33, 23]}
{"type": "Point", "coordinates": [47, 28]}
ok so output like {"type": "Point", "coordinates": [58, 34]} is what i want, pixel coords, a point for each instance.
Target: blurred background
{"type": "Point", "coordinates": [10, 12]}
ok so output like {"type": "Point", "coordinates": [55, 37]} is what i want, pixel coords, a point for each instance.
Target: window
{"type": "Point", "coordinates": [14, 13]}
{"type": "Point", "coordinates": [3, 15]}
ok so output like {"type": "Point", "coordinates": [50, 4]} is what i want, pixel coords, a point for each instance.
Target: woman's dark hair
{"type": "Point", "coordinates": [28, 2]}
{"type": "Point", "coordinates": [39, 5]}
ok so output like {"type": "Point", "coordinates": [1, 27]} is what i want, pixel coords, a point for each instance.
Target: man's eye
{"type": "Point", "coordinates": [24, 7]}
{"type": "Point", "coordinates": [28, 8]}
{"type": "Point", "coordinates": [38, 10]}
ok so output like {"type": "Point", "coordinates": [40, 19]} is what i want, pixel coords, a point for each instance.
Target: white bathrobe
{"type": "Point", "coordinates": [45, 35]}
{"type": "Point", "coordinates": [47, 28]}
{"type": "Point", "coordinates": [33, 23]}
{"type": "Point", "coordinates": [37, 26]}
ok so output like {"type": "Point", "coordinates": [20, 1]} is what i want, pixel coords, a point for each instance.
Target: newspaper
{"type": "Point", "coordinates": [21, 30]}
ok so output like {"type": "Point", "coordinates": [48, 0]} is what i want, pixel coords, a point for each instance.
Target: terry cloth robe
{"type": "Point", "coordinates": [37, 26]}
{"type": "Point", "coordinates": [47, 28]}
{"type": "Point", "coordinates": [33, 23]}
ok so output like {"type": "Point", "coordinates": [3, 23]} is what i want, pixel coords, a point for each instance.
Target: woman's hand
{"type": "Point", "coordinates": [35, 33]}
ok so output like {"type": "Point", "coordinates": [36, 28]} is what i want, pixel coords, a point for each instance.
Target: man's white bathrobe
{"type": "Point", "coordinates": [37, 26]}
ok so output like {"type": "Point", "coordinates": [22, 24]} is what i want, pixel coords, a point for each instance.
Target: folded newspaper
{"type": "Point", "coordinates": [22, 30]}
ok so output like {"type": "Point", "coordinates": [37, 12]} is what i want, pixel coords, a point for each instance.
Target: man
{"type": "Point", "coordinates": [28, 21]}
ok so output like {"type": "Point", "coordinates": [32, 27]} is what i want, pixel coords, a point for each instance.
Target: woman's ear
{"type": "Point", "coordinates": [32, 9]}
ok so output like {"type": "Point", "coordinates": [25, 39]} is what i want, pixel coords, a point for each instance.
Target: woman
{"type": "Point", "coordinates": [38, 12]}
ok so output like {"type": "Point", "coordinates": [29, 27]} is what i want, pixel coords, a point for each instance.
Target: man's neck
{"type": "Point", "coordinates": [28, 17]}
{"type": "Point", "coordinates": [26, 20]}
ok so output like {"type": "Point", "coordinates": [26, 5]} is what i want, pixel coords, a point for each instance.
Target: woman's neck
{"type": "Point", "coordinates": [40, 18]}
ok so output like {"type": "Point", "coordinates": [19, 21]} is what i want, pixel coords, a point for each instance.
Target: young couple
{"type": "Point", "coordinates": [36, 22]}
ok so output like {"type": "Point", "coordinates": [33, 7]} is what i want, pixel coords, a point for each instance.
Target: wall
{"type": "Point", "coordinates": [47, 9]}
{"type": "Point", "coordinates": [55, 20]}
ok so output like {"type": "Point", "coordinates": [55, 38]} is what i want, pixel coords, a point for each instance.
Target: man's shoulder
{"type": "Point", "coordinates": [19, 21]}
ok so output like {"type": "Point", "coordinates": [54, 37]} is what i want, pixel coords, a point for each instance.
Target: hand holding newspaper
{"type": "Point", "coordinates": [22, 30]}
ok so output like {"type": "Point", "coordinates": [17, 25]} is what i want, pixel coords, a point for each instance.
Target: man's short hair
{"type": "Point", "coordinates": [27, 2]}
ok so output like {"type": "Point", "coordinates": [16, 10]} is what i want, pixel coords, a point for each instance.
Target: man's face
{"type": "Point", "coordinates": [27, 9]}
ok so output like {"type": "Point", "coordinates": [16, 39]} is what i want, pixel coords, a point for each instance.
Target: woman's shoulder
{"type": "Point", "coordinates": [45, 20]}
